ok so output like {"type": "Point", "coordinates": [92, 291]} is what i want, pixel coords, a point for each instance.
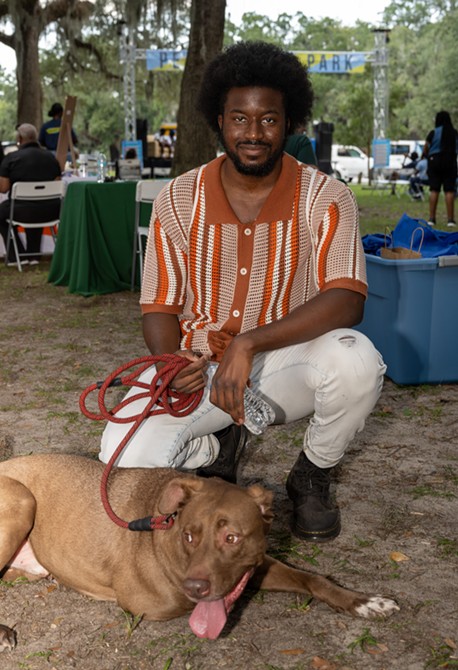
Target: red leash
{"type": "Point", "coordinates": [162, 400]}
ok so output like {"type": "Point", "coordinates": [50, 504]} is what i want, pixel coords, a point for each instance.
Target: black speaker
{"type": "Point", "coordinates": [142, 133]}
{"type": "Point", "coordinates": [323, 136]}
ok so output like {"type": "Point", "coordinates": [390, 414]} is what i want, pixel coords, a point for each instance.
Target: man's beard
{"type": "Point", "coordinates": [260, 170]}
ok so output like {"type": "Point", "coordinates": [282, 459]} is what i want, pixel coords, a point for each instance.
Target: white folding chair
{"type": "Point", "coordinates": [32, 191]}
{"type": "Point", "coordinates": [145, 193]}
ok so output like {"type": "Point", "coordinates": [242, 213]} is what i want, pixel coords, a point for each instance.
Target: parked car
{"type": "Point", "coordinates": [349, 162]}
{"type": "Point", "coordinates": [400, 150]}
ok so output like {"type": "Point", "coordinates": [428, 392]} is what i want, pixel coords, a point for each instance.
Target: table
{"type": "Point", "coordinates": [93, 253]}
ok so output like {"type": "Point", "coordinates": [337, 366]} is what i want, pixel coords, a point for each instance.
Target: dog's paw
{"type": "Point", "coordinates": [376, 606]}
{"type": "Point", "coordinates": [7, 638]}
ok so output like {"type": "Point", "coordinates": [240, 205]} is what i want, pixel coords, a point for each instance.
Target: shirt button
{"type": "Point", "coordinates": [236, 312]}
{"type": "Point", "coordinates": [243, 271]}
{"type": "Point", "coordinates": [247, 231]}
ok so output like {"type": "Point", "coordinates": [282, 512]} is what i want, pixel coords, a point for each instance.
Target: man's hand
{"type": "Point", "coordinates": [193, 377]}
{"type": "Point", "coordinates": [230, 380]}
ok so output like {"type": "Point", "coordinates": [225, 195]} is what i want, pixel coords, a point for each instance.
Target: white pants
{"type": "Point", "coordinates": [337, 378]}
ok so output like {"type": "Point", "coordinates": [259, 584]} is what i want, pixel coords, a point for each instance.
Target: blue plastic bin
{"type": "Point", "coordinates": [411, 316]}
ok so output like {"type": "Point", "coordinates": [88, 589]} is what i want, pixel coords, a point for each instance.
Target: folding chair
{"type": "Point", "coordinates": [32, 191]}
{"type": "Point", "coordinates": [145, 193]}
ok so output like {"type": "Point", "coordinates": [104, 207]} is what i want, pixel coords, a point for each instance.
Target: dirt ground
{"type": "Point", "coordinates": [397, 489]}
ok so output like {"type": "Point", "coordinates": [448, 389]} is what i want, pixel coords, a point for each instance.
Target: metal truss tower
{"type": "Point", "coordinates": [127, 59]}
{"type": "Point", "coordinates": [381, 88]}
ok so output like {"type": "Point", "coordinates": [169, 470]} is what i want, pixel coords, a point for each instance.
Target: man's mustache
{"type": "Point", "coordinates": [253, 143]}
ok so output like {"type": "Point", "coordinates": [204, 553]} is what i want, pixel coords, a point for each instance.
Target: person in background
{"type": "Point", "coordinates": [413, 160]}
{"type": "Point", "coordinates": [419, 179]}
{"type": "Point", "coordinates": [30, 163]}
{"type": "Point", "coordinates": [299, 145]}
{"type": "Point", "coordinates": [173, 141]}
{"type": "Point", "coordinates": [441, 149]}
{"type": "Point", "coordinates": [49, 131]}
{"type": "Point", "coordinates": [254, 272]}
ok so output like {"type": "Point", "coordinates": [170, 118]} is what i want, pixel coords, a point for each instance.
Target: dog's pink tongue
{"type": "Point", "coordinates": [208, 618]}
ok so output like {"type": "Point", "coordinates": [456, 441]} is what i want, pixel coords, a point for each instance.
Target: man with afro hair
{"type": "Point", "coordinates": [254, 271]}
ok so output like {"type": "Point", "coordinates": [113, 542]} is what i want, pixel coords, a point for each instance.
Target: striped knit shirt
{"type": "Point", "coordinates": [221, 276]}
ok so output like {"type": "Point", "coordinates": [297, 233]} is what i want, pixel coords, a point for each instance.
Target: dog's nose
{"type": "Point", "coordinates": [196, 588]}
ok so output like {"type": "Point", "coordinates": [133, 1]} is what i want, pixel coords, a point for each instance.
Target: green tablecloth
{"type": "Point", "coordinates": [93, 253]}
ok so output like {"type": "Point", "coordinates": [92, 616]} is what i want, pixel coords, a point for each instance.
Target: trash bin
{"type": "Point", "coordinates": [411, 317]}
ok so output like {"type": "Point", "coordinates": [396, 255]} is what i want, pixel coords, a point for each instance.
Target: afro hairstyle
{"type": "Point", "coordinates": [256, 64]}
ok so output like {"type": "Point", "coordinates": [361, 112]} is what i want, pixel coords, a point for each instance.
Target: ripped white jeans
{"type": "Point", "coordinates": [336, 379]}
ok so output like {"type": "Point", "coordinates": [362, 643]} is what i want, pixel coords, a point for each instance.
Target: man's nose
{"type": "Point", "coordinates": [255, 129]}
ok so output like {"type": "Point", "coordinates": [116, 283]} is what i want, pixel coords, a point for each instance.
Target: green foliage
{"type": "Point", "coordinates": [7, 106]}
{"type": "Point", "coordinates": [83, 60]}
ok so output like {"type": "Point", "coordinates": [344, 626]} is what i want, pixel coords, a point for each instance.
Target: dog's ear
{"type": "Point", "coordinates": [263, 498]}
{"type": "Point", "coordinates": [177, 492]}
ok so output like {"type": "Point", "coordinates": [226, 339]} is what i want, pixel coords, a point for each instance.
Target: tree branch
{"type": "Point", "coordinates": [87, 46]}
{"type": "Point", "coordinates": [7, 39]}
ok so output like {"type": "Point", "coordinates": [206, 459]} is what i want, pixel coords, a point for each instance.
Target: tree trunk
{"type": "Point", "coordinates": [30, 18]}
{"type": "Point", "coordinates": [196, 143]}
{"type": "Point", "coordinates": [29, 91]}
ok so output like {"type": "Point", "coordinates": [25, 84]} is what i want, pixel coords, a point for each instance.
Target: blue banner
{"type": "Point", "coordinates": [328, 62]}
{"type": "Point", "coordinates": [165, 59]}
{"type": "Point", "coordinates": [322, 62]}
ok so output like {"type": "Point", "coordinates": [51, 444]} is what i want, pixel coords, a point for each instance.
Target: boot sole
{"type": "Point", "coordinates": [324, 535]}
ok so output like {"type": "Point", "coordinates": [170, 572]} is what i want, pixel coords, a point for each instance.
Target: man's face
{"type": "Point", "coordinates": [253, 129]}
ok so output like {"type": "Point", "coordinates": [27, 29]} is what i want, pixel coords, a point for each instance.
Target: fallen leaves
{"type": "Point", "coordinates": [398, 557]}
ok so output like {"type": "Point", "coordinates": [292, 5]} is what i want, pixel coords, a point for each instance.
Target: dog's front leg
{"type": "Point", "coordinates": [17, 514]}
{"type": "Point", "coordinates": [275, 576]}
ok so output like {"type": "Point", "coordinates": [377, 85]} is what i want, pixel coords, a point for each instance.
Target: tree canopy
{"type": "Point", "coordinates": [77, 53]}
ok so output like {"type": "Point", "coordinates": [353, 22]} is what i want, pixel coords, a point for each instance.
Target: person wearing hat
{"type": "Point", "coordinates": [49, 132]}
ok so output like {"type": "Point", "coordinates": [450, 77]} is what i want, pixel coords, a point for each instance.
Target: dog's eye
{"type": "Point", "coordinates": [231, 538]}
{"type": "Point", "coordinates": [187, 536]}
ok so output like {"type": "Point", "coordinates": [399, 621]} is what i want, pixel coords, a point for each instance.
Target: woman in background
{"type": "Point", "coordinates": [441, 149]}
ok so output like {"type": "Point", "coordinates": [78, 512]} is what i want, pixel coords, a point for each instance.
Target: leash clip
{"type": "Point", "coordinates": [163, 522]}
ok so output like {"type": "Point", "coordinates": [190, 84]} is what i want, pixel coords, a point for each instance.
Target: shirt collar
{"type": "Point", "coordinates": [26, 145]}
{"type": "Point", "coordinates": [277, 207]}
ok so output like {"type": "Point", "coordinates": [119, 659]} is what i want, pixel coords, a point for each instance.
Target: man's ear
{"type": "Point", "coordinates": [220, 121]}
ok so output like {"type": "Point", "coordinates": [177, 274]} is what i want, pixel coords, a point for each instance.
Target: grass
{"type": "Point", "coordinates": [379, 210]}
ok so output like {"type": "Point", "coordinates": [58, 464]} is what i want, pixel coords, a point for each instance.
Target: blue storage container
{"type": "Point", "coordinates": [411, 316]}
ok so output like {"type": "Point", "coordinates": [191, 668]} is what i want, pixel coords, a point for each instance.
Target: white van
{"type": "Point", "coordinates": [400, 151]}
{"type": "Point", "coordinates": [349, 162]}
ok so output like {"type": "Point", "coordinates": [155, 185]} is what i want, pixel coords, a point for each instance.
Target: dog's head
{"type": "Point", "coordinates": [222, 532]}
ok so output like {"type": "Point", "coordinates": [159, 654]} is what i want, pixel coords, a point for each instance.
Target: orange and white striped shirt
{"type": "Point", "coordinates": [221, 276]}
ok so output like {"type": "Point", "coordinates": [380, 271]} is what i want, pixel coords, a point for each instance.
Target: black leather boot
{"type": "Point", "coordinates": [315, 517]}
{"type": "Point", "coordinates": [232, 440]}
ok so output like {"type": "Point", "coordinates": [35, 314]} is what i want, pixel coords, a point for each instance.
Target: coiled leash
{"type": "Point", "coordinates": [162, 400]}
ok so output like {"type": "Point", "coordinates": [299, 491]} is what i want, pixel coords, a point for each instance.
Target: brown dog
{"type": "Point", "coordinates": [202, 563]}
